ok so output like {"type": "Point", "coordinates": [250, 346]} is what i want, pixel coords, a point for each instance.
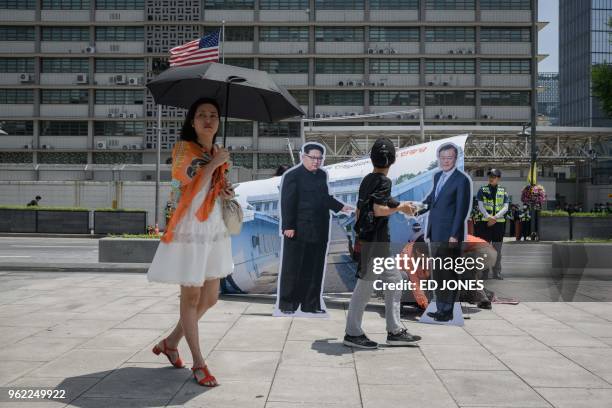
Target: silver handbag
{"type": "Point", "coordinates": [232, 216]}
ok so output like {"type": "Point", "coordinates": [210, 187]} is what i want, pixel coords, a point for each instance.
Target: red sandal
{"type": "Point", "coordinates": [178, 363]}
{"type": "Point", "coordinates": [208, 377]}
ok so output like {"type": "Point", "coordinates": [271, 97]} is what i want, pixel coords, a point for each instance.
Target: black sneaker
{"type": "Point", "coordinates": [402, 338]}
{"type": "Point", "coordinates": [359, 342]}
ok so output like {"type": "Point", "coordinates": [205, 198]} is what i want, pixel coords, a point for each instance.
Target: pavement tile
{"type": "Point", "coordinates": [490, 389]}
{"type": "Point", "coordinates": [12, 370]}
{"type": "Point", "coordinates": [122, 339]}
{"type": "Point", "coordinates": [150, 321]}
{"type": "Point", "coordinates": [577, 397]}
{"type": "Point", "coordinates": [118, 402]}
{"type": "Point", "coordinates": [492, 328]}
{"type": "Point", "coordinates": [244, 393]}
{"type": "Point", "coordinates": [393, 366]}
{"type": "Point", "coordinates": [316, 329]}
{"type": "Point", "coordinates": [596, 360]}
{"type": "Point", "coordinates": [11, 334]}
{"type": "Point", "coordinates": [317, 353]}
{"type": "Point", "coordinates": [442, 357]}
{"type": "Point", "coordinates": [79, 328]}
{"type": "Point", "coordinates": [430, 395]}
{"type": "Point", "coordinates": [73, 387]}
{"type": "Point", "coordinates": [83, 363]}
{"type": "Point", "coordinates": [311, 385]}
{"type": "Point", "coordinates": [39, 348]}
{"type": "Point", "coordinates": [243, 365]}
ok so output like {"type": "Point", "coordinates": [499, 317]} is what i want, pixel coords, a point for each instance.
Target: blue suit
{"type": "Point", "coordinates": [448, 211]}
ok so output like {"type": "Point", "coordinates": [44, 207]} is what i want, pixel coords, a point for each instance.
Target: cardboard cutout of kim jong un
{"type": "Point", "coordinates": [305, 205]}
{"type": "Point", "coordinates": [449, 204]}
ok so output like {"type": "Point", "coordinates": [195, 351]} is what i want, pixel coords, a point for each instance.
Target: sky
{"type": "Point", "coordinates": [548, 39]}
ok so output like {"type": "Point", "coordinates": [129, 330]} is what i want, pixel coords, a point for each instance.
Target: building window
{"type": "Point", "coordinates": [283, 4]}
{"type": "Point", "coordinates": [505, 66]}
{"type": "Point", "coordinates": [450, 34]}
{"type": "Point", "coordinates": [505, 98]}
{"type": "Point", "coordinates": [62, 157]}
{"type": "Point", "coordinates": [450, 66]}
{"type": "Point", "coordinates": [117, 158]}
{"type": "Point", "coordinates": [451, 5]}
{"type": "Point", "coordinates": [114, 129]}
{"type": "Point", "coordinates": [16, 96]}
{"type": "Point", "coordinates": [16, 65]}
{"type": "Point", "coordinates": [60, 128]}
{"type": "Point", "coordinates": [339, 34]}
{"type": "Point", "coordinates": [239, 129]}
{"type": "Point", "coordinates": [119, 33]}
{"type": "Point", "coordinates": [394, 66]}
{"type": "Point", "coordinates": [394, 5]}
{"type": "Point", "coordinates": [284, 66]}
{"type": "Point", "coordinates": [272, 160]}
{"type": "Point", "coordinates": [119, 97]}
{"type": "Point", "coordinates": [339, 4]}
{"type": "Point", "coordinates": [120, 4]}
{"type": "Point", "coordinates": [241, 62]}
{"type": "Point", "coordinates": [394, 98]}
{"type": "Point", "coordinates": [65, 96]}
{"type": "Point", "coordinates": [510, 34]}
{"type": "Point", "coordinates": [64, 65]}
{"type": "Point", "coordinates": [279, 129]}
{"type": "Point", "coordinates": [119, 65]}
{"type": "Point", "coordinates": [281, 34]}
{"type": "Point", "coordinates": [65, 4]}
{"type": "Point", "coordinates": [16, 33]}
{"type": "Point", "coordinates": [450, 98]}
{"type": "Point", "coordinates": [339, 98]}
{"type": "Point", "coordinates": [505, 4]}
{"type": "Point", "coordinates": [16, 157]}
{"type": "Point", "coordinates": [229, 4]}
{"type": "Point", "coordinates": [17, 127]}
{"type": "Point", "coordinates": [339, 66]}
{"type": "Point", "coordinates": [300, 96]}
{"type": "Point", "coordinates": [17, 4]}
{"type": "Point", "coordinates": [242, 160]}
{"type": "Point", "coordinates": [395, 34]}
{"type": "Point", "coordinates": [239, 33]}
{"type": "Point", "coordinates": [65, 34]}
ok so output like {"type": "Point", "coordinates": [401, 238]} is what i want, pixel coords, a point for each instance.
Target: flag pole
{"type": "Point", "coordinates": [222, 42]}
{"type": "Point", "coordinates": [157, 171]}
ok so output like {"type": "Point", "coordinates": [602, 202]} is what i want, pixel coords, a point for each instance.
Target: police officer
{"type": "Point", "coordinates": [493, 205]}
{"type": "Point", "coordinates": [525, 217]}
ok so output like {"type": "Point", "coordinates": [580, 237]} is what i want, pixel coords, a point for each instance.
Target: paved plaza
{"type": "Point", "coordinates": [91, 334]}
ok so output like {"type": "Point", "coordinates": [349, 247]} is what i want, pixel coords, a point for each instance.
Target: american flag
{"type": "Point", "coordinates": [205, 49]}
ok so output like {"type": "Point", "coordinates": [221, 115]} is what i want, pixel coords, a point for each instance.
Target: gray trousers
{"type": "Point", "coordinates": [361, 296]}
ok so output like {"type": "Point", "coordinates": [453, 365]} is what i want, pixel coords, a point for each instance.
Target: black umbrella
{"type": "Point", "coordinates": [254, 94]}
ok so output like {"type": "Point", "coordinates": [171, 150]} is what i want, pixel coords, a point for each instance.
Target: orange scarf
{"type": "Point", "coordinates": [187, 157]}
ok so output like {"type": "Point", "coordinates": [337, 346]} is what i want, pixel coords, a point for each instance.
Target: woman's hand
{"type": "Point", "coordinates": [228, 192]}
{"type": "Point", "coordinates": [220, 156]}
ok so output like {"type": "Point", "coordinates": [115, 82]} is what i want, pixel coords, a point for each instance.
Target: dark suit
{"type": "Point", "coordinates": [447, 214]}
{"type": "Point", "coordinates": [305, 206]}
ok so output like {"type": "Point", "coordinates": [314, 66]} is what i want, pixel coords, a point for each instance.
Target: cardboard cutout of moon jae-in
{"type": "Point", "coordinates": [305, 227]}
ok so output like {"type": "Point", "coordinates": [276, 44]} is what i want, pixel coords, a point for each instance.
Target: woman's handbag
{"type": "Point", "coordinates": [232, 216]}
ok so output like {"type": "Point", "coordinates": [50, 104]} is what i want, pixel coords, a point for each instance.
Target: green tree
{"type": "Point", "coordinates": [602, 83]}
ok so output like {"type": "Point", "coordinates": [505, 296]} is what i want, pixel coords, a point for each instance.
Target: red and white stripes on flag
{"type": "Point", "coordinates": [200, 51]}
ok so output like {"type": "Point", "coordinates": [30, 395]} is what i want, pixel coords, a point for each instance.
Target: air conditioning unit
{"type": "Point", "coordinates": [370, 50]}
{"type": "Point", "coordinates": [82, 79]}
{"type": "Point", "coordinates": [125, 147]}
{"type": "Point", "coordinates": [317, 116]}
{"type": "Point", "coordinates": [451, 52]}
{"type": "Point", "coordinates": [132, 115]}
{"type": "Point", "coordinates": [120, 79]}
{"type": "Point", "coordinates": [353, 114]}
{"type": "Point", "coordinates": [438, 116]}
{"type": "Point", "coordinates": [28, 146]}
{"type": "Point", "coordinates": [123, 115]}
{"type": "Point", "coordinates": [430, 83]}
{"type": "Point", "coordinates": [243, 147]}
{"type": "Point", "coordinates": [136, 146]}
{"type": "Point", "coordinates": [459, 51]}
{"type": "Point", "coordinates": [372, 83]}
{"type": "Point", "coordinates": [25, 77]}
{"type": "Point", "coordinates": [399, 116]}
{"type": "Point", "coordinates": [110, 115]}
{"type": "Point", "coordinates": [449, 117]}
{"type": "Point", "coordinates": [393, 51]}
{"type": "Point", "coordinates": [133, 81]}
{"type": "Point", "coordinates": [470, 51]}
{"type": "Point", "coordinates": [381, 83]}
{"type": "Point", "coordinates": [360, 83]}
{"type": "Point", "coordinates": [445, 83]}
{"type": "Point", "coordinates": [387, 50]}
{"type": "Point", "coordinates": [340, 83]}
{"type": "Point", "coordinates": [90, 50]}
{"type": "Point", "coordinates": [350, 83]}
{"type": "Point", "coordinates": [300, 51]}
{"type": "Point", "coordinates": [100, 144]}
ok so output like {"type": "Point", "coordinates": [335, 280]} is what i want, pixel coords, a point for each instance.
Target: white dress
{"type": "Point", "coordinates": [199, 250]}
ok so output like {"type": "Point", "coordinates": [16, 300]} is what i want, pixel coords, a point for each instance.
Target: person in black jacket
{"type": "Point", "coordinates": [305, 214]}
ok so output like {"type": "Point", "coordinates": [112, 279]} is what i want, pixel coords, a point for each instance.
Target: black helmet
{"type": "Point", "coordinates": [494, 173]}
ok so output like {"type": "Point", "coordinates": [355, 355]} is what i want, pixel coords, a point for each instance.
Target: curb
{"type": "Point", "coordinates": [74, 267]}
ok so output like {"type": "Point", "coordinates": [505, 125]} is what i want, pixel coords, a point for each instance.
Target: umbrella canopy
{"type": "Point", "coordinates": [253, 94]}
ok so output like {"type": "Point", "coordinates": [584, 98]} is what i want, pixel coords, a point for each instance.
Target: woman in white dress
{"type": "Point", "coordinates": [195, 251]}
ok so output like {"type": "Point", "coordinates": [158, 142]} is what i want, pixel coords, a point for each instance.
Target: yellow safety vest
{"type": "Point", "coordinates": [497, 201]}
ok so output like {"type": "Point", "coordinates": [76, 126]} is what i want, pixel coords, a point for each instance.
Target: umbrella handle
{"type": "Point", "coordinates": [227, 94]}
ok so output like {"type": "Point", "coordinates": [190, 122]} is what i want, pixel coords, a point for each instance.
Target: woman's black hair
{"type": "Point", "coordinates": [188, 132]}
